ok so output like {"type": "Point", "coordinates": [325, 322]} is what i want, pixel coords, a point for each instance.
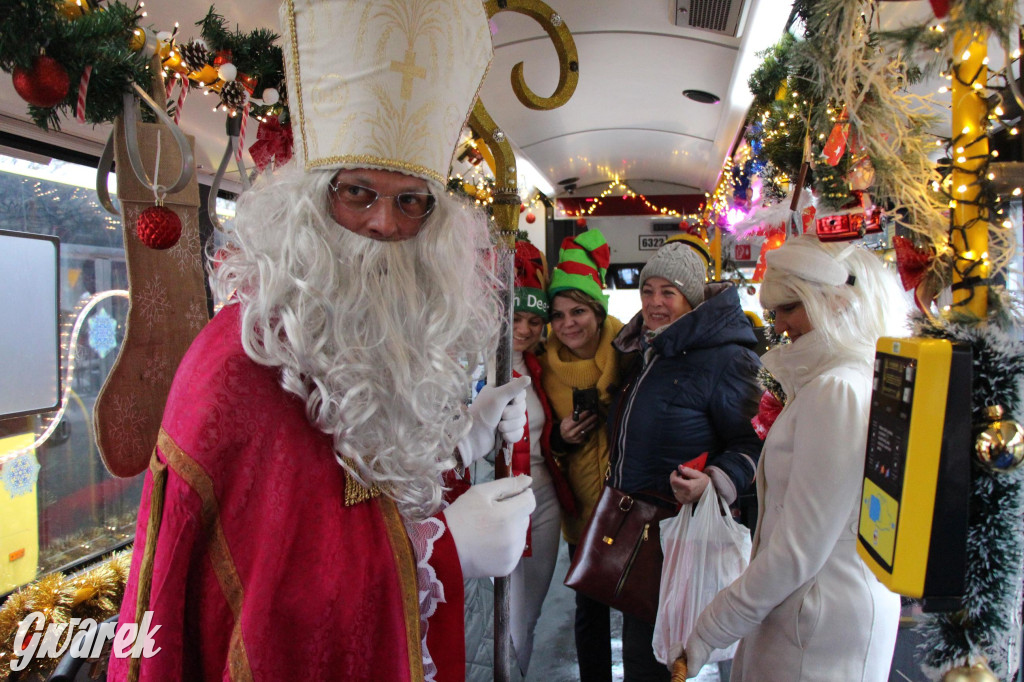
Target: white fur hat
{"type": "Point", "coordinates": [383, 84]}
{"type": "Point", "coordinates": [806, 258]}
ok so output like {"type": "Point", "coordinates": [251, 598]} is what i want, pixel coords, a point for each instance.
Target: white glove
{"type": "Point", "coordinates": [488, 523]}
{"type": "Point", "coordinates": [502, 408]}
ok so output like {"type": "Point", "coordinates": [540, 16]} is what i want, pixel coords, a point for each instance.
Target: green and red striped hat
{"type": "Point", "coordinates": [582, 264]}
{"type": "Point", "coordinates": [531, 273]}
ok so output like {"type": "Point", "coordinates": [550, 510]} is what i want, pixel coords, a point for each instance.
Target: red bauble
{"type": "Point", "coordinates": [530, 218]}
{"type": "Point", "coordinates": [45, 84]}
{"type": "Point", "coordinates": [581, 222]}
{"type": "Point", "coordinates": [158, 227]}
{"type": "Point", "coordinates": [522, 207]}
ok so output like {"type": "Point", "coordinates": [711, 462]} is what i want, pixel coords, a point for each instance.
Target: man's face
{"type": "Point", "coordinates": [379, 204]}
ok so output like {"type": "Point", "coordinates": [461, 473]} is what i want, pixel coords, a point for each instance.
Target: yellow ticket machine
{"type": "Point", "coordinates": [19, 530]}
{"type": "Point", "coordinates": [913, 517]}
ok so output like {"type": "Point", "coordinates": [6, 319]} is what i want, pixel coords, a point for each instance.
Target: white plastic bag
{"type": "Point", "coordinates": [704, 552]}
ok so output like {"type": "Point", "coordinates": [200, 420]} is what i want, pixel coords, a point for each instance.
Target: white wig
{"type": "Point", "coordinates": [374, 336]}
{"type": "Point", "coordinates": [849, 296]}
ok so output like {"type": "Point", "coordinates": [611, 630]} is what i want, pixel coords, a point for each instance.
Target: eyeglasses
{"type": "Point", "coordinates": [414, 205]}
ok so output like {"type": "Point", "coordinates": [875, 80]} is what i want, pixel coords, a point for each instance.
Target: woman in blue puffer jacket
{"type": "Point", "coordinates": [690, 387]}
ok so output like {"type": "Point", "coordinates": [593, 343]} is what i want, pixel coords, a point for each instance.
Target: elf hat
{"type": "Point", "coordinates": [385, 84]}
{"type": "Point", "coordinates": [582, 263]}
{"type": "Point", "coordinates": [531, 276]}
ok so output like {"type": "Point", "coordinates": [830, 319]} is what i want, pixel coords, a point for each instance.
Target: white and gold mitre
{"type": "Point", "coordinates": [383, 83]}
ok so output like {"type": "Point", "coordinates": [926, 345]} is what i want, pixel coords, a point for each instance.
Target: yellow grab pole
{"type": "Point", "coordinates": [969, 235]}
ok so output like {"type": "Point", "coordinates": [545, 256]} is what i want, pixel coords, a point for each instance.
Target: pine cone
{"type": "Point", "coordinates": [195, 55]}
{"type": "Point", "coordinates": [233, 95]}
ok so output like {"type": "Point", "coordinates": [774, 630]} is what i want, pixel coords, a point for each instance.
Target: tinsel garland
{"type": "Point", "coordinates": [995, 540]}
{"type": "Point", "coordinates": [94, 594]}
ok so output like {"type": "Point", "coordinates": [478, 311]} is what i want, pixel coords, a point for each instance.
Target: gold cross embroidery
{"type": "Point", "coordinates": [409, 70]}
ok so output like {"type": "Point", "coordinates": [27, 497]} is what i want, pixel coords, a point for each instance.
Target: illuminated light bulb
{"type": "Point", "coordinates": [1016, 192]}
{"type": "Point", "coordinates": [1016, 54]}
{"type": "Point", "coordinates": [1014, 131]}
{"type": "Point", "coordinates": [961, 159]}
{"type": "Point", "coordinates": [998, 111]}
{"type": "Point", "coordinates": [995, 153]}
{"type": "Point", "coordinates": [991, 176]}
{"type": "Point", "coordinates": [1007, 224]}
{"type": "Point", "coordinates": [985, 61]}
{"type": "Point", "coordinates": [968, 255]}
{"type": "Point", "coordinates": [977, 86]}
{"type": "Point", "coordinates": [959, 150]}
{"type": "Point", "coordinates": [940, 28]}
{"type": "Point", "coordinates": [966, 130]}
{"type": "Point", "coordinates": [984, 255]}
{"type": "Point", "coordinates": [938, 143]}
{"type": "Point", "coordinates": [966, 55]}
{"type": "Point", "coordinates": [943, 90]}
{"type": "Point", "coordinates": [952, 203]}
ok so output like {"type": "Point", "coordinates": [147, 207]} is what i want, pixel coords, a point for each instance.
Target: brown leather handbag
{"type": "Point", "coordinates": [618, 561]}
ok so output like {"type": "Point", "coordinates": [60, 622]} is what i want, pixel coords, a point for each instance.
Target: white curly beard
{"type": "Point", "coordinates": [374, 336]}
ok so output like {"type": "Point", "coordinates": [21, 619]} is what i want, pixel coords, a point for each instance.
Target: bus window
{"type": "Point", "coordinates": [59, 505]}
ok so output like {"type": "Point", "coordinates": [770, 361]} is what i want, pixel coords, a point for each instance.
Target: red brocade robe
{"type": "Point", "coordinates": [269, 563]}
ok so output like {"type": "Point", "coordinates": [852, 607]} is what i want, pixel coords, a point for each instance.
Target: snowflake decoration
{"type": "Point", "coordinates": [102, 333]}
{"type": "Point", "coordinates": [186, 251]}
{"type": "Point", "coordinates": [152, 301]}
{"type": "Point", "coordinates": [20, 474]}
{"type": "Point", "coordinates": [156, 369]}
{"type": "Point", "coordinates": [196, 316]}
{"type": "Point", "coordinates": [126, 426]}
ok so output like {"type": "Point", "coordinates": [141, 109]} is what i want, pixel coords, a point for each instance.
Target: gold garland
{"type": "Point", "coordinates": [94, 594]}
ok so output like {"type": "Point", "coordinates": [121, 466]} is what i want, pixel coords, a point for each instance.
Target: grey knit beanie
{"type": "Point", "coordinates": [682, 266]}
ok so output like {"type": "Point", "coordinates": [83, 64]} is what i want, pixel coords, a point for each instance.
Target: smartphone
{"type": "Point", "coordinates": [584, 400]}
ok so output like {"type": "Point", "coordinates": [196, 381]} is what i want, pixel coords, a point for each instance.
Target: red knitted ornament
{"type": "Point", "coordinates": [44, 85]}
{"type": "Point", "coordinates": [158, 227]}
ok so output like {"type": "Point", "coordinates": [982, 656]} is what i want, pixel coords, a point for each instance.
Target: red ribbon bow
{"type": "Point", "coordinates": [767, 411]}
{"type": "Point", "coordinates": [273, 143]}
{"type": "Point", "coordinates": [911, 263]}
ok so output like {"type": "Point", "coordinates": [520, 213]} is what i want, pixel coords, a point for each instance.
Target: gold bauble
{"type": "Point", "coordinates": [999, 446]}
{"type": "Point", "coordinates": [980, 673]}
{"type": "Point", "coordinates": [72, 9]}
{"type": "Point", "coordinates": [961, 674]}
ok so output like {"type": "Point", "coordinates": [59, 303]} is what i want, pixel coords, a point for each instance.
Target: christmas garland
{"type": "Point", "coordinates": [995, 540]}
{"type": "Point", "coordinates": [47, 48]}
{"type": "Point", "coordinates": [95, 594]}
{"type": "Point", "coordinates": [72, 59]}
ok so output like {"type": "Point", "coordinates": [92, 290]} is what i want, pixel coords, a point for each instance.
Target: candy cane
{"type": "Point", "coordinates": [241, 132]}
{"type": "Point", "coordinates": [181, 100]}
{"type": "Point", "coordinates": [83, 86]}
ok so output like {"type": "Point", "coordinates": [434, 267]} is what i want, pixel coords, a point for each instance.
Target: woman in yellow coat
{"type": "Point", "coordinates": [580, 357]}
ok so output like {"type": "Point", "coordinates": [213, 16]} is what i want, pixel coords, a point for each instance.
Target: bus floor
{"type": "Point", "coordinates": [554, 652]}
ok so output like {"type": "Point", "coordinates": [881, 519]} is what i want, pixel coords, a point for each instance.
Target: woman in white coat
{"type": "Point", "coordinates": [808, 608]}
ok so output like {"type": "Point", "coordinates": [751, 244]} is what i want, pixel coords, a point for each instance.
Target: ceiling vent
{"type": "Point", "coordinates": [717, 16]}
